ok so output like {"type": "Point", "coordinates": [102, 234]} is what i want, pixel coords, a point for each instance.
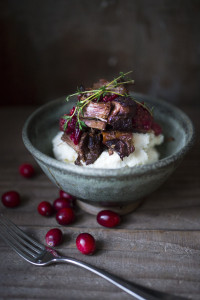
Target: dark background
{"type": "Point", "coordinates": [48, 48]}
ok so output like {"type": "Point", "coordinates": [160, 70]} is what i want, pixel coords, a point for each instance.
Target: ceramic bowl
{"type": "Point", "coordinates": [108, 187]}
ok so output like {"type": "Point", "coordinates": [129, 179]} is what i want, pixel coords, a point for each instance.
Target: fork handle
{"type": "Point", "coordinates": [137, 291]}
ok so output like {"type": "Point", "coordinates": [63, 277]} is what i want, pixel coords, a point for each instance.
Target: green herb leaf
{"type": "Point", "coordinates": [81, 124]}
{"type": "Point", "coordinates": [67, 117]}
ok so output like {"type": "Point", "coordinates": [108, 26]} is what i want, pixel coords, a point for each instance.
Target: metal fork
{"type": "Point", "coordinates": [40, 255]}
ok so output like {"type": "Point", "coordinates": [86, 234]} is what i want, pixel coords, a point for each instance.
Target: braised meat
{"type": "Point", "coordinates": [120, 142]}
{"type": "Point", "coordinates": [97, 110]}
{"type": "Point", "coordinates": [107, 121]}
{"type": "Point", "coordinates": [94, 148]}
{"type": "Point", "coordinates": [123, 106]}
{"type": "Point", "coordinates": [66, 138]}
{"type": "Point", "coordinates": [109, 125]}
{"type": "Point", "coordinates": [117, 113]}
{"type": "Point", "coordinates": [90, 147]}
{"type": "Point", "coordinates": [94, 123]}
{"type": "Point", "coordinates": [123, 111]}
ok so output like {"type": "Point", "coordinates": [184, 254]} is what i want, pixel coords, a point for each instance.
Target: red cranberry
{"type": "Point", "coordinates": [108, 98]}
{"type": "Point", "coordinates": [76, 135]}
{"type": "Point", "coordinates": [61, 203]}
{"type": "Point", "coordinates": [72, 128]}
{"type": "Point", "coordinates": [72, 111]}
{"type": "Point", "coordinates": [27, 170]}
{"type": "Point", "coordinates": [71, 125]}
{"type": "Point", "coordinates": [142, 121]}
{"type": "Point", "coordinates": [45, 209]}
{"type": "Point", "coordinates": [65, 216]}
{"type": "Point", "coordinates": [156, 128]}
{"type": "Point", "coordinates": [108, 218]}
{"type": "Point", "coordinates": [66, 195]}
{"type": "Point", "coordinates": [85, 243]}
{"type": "Point", "coordinates": [62, 123]}
{"type": "Point", "coordinates": [54, 237]}
{"type": "Point", "coordinates": [11, 199]}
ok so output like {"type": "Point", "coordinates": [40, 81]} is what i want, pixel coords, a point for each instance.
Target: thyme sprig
{"type": "Point", "coordinates": [144, 105]}
{"type": "Point", "coordinates": [95, 94]}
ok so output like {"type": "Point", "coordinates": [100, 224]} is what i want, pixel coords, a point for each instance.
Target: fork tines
{"type": "Point", "coordinates": [23, 244]}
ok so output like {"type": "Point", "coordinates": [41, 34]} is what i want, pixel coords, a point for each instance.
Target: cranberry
{"type": "Point", "coordinates": [27, 170]}
{"type": "Point", "coordinates": [45, 209]}
{"type": "Point", "coordinates": [108, 98]}
{"type": "Point", "coordinates": [76, 135]}
{"type": "Point", "coordinates": [156, 128]}
{"type": "Point", "coordinates": [61, 203]}
{"type": "Point", "coordinates": [108, 218]}
{"type": "Point", "coordinates": [66, 195]}
{"type": "Point", "coordinates": [71, 125]}
{"type": "Point", "coordinates": [54, 237]}
{"type": "Point", "coordinates": [72, 111]}
{"type": "Point", "coordinates": [62, 122]}
{"type": "Point", "coordinates": [65, 216]}
{"type": "Point", "coordinates": [72, 128]}
{"type": "Point", "coordinates": [85, 243]}
{"type": "Point", "coordinates": [11, 199]}
{"type": "Point", "coordinates": [142, 121]}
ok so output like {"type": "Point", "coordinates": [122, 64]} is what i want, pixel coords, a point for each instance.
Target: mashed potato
{"type": "Point", "coordinates": [144, 153]}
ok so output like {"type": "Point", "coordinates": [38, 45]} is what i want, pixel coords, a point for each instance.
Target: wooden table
{"type": "Point", "coordinates": [157, 246]}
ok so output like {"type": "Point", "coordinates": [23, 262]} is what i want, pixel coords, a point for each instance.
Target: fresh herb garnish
{"type": "Point", "coordinates": [144, 105]}
{"type": "Point", "coordinates": [95, 94]}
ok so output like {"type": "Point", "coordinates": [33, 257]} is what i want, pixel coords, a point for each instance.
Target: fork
{"type": "Point", "coordinates": [38, 254]}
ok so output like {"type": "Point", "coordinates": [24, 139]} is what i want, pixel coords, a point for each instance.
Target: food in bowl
{"type": "Point", "coordinates": [108, 128]}
{"type": "Point", "coordinates": [115, 187]}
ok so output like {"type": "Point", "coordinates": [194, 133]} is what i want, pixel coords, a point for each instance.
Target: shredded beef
{"type": "Point", "coordinates": [118, 123]}
{"type": "Point", "coordinates": [90, 147]}
{"type": "Point", "coordinates": [123, 110]}
{"type": "Point", "coordinates": [96, 110]}
{"type": "Point", "coordinates": [66, 138]}
{"type": "Point", "coordinates": [94, 123]}
{"type": "Point", "coordinates": [120, 142]}
{"type": "Point", "coordinates": [109, 125]}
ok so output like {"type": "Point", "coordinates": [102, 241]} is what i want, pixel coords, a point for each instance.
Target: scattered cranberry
{"type": "Point", "coordinates": [45, 209]}
{"type": "Point", "coordinates": [54, 237]}
{"type": "Point", "coordinates": [66, 195]}
{"type": "Point", "coordinates": [27, 170]}
{"type": "Point", "coordinates": [11, 199]}
{"type": "Point", "coordinates": [85, 243]}
{"type": "Point", "coordinates": [65, 216]}
{"type": "Point", "coordinates": [108, 218]}
{"type": "Point", "coordinates": [61, 203]}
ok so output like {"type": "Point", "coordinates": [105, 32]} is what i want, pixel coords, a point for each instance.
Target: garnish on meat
{"type": "Point", "coordinates": [105, 118]}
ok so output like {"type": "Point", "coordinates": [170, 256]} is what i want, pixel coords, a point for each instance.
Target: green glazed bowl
{"type": "Point", "coordinates": [108, 187]}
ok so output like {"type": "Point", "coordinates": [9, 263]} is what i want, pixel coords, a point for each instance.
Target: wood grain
{"type": "Point", "coordinates": [157, 246]}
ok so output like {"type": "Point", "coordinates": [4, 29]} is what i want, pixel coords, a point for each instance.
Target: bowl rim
{"type": "Point", "coordinates": [104, 172]}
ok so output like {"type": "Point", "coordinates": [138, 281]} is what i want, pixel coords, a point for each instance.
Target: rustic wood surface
{"type": "Point", "coordinates": [157, 246]}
